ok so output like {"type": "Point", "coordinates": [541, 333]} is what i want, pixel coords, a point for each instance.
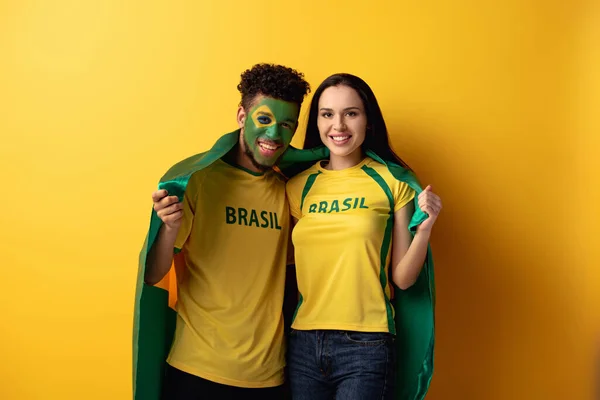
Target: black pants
{"type": "Point", "coordinates": [179, 385]}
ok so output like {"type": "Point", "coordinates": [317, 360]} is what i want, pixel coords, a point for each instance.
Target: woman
{"type": "Point", "coordinates": [351, 234]}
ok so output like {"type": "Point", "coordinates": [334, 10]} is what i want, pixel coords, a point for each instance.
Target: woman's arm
{"type": "Point", "coordinates": [408, 253]}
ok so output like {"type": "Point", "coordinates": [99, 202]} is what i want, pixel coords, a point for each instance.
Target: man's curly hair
{"type": "Point", "coordinates": [275, 81]}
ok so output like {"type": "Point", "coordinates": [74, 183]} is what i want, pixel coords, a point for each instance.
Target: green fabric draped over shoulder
{"type": "Point", "coordinates": [154, 320]}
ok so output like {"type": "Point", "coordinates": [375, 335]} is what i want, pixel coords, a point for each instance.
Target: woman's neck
{"type": "Point", "coordinates": [337, 163]}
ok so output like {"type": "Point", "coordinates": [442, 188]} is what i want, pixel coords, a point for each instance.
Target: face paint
{"type": "Point", "coordinates": [268, 130]}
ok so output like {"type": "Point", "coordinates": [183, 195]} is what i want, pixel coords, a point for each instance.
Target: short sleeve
{"type": "Point", "coordinates": [189, 208]}
{"type": "Point", "coordinates": [403, 194]}
{"type": "Point", "coordinates": [293, 196]}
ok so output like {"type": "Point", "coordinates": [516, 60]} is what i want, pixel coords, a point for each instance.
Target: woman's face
{"type": "Point", "coordinates": [342, 121]}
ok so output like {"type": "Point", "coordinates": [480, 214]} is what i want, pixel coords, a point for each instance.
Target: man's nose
{"type": "Point", "coordinates": [274, 132]}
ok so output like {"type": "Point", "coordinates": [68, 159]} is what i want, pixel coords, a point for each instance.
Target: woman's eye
{"type": "Point", "coordinates": [352, 113]}
{"type": "Point", "coordinates": [326, 115]}
{"type": "Point", "coordinates": [264, 120]}
{"type": "Point", "coordinates": [286, 125]}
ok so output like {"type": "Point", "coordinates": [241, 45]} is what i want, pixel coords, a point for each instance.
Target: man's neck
{"type": "Point", "coordinates": [241, 158]}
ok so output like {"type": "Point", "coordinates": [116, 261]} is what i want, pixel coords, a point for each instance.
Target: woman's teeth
{"type": "Point", "coordinates": [340, 138]}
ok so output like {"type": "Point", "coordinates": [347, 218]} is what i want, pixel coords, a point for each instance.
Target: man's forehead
{"type": "Point", "coordinates": [273, 104]}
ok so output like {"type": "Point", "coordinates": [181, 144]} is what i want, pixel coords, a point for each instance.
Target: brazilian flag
{"type": "Point", "coordinates": [154, 313]}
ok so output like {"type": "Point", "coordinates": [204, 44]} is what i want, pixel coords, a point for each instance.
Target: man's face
{"type": "Point", "coordinates": [268, 130]}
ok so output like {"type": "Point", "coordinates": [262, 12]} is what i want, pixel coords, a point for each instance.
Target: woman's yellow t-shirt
{"type": "Point", "coordinates": [342, 243]}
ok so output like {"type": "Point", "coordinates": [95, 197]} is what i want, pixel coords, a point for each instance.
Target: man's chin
{"type": "Point", "coordinates": [260, 164]}
{"type": "Point", "coordinates": [266, 163]}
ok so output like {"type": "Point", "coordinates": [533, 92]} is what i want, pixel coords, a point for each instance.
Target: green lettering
{"type": "Point", "coordinates": [355, 202]}
{"type": "Point", "coordinates": [253, 218]}
{"type": "Point", "coordinates": [263, 217]}
{"type": "Point", "coordinates": [230, 215]}
{"type": "Point", "coordinates": [335, 206]}
{"type": "Point", "coordinates": [242, 214]}
{"type": "Point", "coordinates": [322, 206]}
{"type": "Point", "coordinates": [271, 218]}
{"type": "Point", "coordinates": [312, 208]}
{"type": "Point", "coordinates": [362, 203]}
{"type": "Point", "coordinates": [347, 204]}
{"type": "Point", "coordinates": [277, 223]}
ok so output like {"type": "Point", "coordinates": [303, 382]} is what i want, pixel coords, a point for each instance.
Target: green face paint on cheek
{"type": "Point", "coordinates": [268, 130]}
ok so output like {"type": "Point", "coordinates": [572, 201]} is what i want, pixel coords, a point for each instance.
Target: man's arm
{"type": "Point", "coordinates": [160, 257]}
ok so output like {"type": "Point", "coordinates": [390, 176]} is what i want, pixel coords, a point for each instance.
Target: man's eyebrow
{"type": "Point", "coordinates": [265, 113]}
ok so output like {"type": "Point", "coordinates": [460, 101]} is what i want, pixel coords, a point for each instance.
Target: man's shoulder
{"type": "Point", "coordinates": [207, 170]}
{"type": "Point", "coordinates": [200, 161]}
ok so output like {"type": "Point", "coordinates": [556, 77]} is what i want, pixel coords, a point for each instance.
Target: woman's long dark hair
{"type": "Point", "coordinates": [376, 138]}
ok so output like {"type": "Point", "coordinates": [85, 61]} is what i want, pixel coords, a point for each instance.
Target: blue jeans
{"type": "Point", "coordinates": [325, 365]}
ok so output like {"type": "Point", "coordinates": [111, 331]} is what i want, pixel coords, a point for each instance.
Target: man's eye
{"type": "Point", "coordinates": [264, 120]}
{"type": "Point", "coordinates": [286, 125]}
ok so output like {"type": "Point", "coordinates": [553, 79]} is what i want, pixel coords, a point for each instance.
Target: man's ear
{"type": "Point", "coordinates": [241, 116]}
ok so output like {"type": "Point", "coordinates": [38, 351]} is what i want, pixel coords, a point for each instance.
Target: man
{"type": "Point", "coordinates": [231, 227]}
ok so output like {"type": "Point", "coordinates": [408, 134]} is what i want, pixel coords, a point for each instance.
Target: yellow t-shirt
{"type": "Point", "coordinates": [342, 244]}
{"type": "Point", "coordinates": [234, 238]}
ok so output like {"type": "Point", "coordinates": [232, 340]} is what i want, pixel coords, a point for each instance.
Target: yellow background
{"type": "Point", "coordinates": [497, 106]}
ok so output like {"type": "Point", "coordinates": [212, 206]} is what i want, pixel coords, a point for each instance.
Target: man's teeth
{"type": "Point", "coordinates": [267, 146]}
{"type": "Point", "coordinates": [339, 138]}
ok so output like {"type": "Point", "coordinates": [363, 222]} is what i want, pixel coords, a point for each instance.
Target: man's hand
{"type": "Point", "coordinates": [168, 208]}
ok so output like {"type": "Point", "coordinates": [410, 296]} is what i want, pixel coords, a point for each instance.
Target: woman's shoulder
{"type": "Point", "coordinates": [379, 168]}
{"type": "Point", "coordinates": [393, 180]}
{"type": "Point", "coordinates": [301, 178]}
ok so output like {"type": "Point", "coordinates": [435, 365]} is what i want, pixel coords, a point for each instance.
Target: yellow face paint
{"type": "Point", "coordinates": [263, 117]}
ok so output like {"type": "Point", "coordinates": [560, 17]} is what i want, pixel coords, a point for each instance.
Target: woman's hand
{"type": "Point", "coordinates": [431, 204]}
